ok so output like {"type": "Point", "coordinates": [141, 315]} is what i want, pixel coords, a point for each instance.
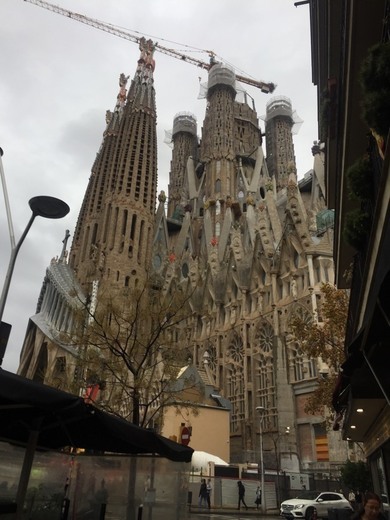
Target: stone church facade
{"type": "Point", "coordinates": [252, 242]}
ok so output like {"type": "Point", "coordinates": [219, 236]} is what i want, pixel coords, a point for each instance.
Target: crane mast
{"type": "Point", "coordinates": [120, 33]}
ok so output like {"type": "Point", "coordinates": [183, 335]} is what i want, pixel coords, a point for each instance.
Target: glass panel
{"type": "Point", "coordinates": [90, 485]}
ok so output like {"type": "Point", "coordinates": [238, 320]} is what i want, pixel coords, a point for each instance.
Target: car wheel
{"type": "Point", "coordinates": [309, 513]}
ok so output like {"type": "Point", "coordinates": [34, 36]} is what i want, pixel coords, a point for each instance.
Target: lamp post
{"type": "Point", "coordinates": [41, 206]}
{"type": "Point", "coordinates": [261, 410]}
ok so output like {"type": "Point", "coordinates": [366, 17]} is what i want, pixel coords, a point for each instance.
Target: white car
{"type": "Point", "coordinates": [306, 502]}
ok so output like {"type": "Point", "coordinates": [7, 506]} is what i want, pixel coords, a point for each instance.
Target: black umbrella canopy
{"type": "Point", "coordinates": [63, 419]}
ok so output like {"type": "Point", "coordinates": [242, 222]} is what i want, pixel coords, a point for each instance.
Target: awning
{"type": "Point", "coordinates": [62, 419]}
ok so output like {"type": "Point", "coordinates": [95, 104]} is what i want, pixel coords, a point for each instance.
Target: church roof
{"type": "Point", "coordinates": [199, 377]}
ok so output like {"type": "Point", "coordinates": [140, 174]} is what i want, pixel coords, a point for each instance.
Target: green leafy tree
{"type": "Point", "coordinates": [324, 340]}
{"type": "Point", "coordinates": [356, 476]}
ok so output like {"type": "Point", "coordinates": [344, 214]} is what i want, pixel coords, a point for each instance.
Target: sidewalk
{"type": "Point", "coordinates": [251, 511]}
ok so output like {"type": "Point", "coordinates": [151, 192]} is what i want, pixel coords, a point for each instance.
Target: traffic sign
{"type": "Point", "coordinates": [185, 435]}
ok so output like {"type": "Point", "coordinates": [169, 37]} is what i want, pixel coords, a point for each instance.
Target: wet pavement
{"type": "Point", "coordinates": [227, 514]}
{"type": "Point", "coordinates": [224, 516]}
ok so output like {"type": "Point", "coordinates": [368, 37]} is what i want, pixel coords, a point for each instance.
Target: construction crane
{"type": "Point", "coordinates": [265, 87]}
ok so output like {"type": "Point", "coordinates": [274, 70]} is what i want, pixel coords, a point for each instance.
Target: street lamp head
{"type": "Point", "coordinates": [48, 207]}
{"type": "Point", "coordinates": [260, 409]}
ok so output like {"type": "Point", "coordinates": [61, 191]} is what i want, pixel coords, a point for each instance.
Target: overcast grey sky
{"type": "Point", "coordinates": [58, 77]}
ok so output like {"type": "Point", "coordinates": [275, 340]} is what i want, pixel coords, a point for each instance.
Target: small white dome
{"type": "Point", "coordinates": [200, 461]}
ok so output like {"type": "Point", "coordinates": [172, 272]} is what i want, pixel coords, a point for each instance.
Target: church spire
{"type": "Point", "coordinates": [65, 242]}
{"type": "Point", "coordinates": [141, 94]}
{"type": "Point", "coordinates": [113, 235]}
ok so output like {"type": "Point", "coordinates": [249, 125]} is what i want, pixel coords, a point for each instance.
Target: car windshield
{"type": "Point", "coordinates": [308, 495]}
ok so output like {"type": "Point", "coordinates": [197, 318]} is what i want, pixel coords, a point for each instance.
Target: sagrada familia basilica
{"type": "Point", "coordinates": [251, 241]}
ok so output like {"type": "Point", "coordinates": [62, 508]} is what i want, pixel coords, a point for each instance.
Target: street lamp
{"type": "Point", "coordinates": [41, 206]}
{"type": "Point", "coordinates": [261, 410]}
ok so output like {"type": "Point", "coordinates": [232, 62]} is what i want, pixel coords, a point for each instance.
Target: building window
{"type": "Point", "coordinates": [235, 382]}
{"type": "Point", "coordinates": [264, 372]}
{"type": "Point", "coordinates": [321, 443]}
{"type": "Point", "coordinates": [301, 367]}
{"type": "Point", "coordinates": [209, 357]}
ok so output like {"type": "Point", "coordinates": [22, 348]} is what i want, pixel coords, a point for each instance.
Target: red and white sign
{"type": "Point", "coordinates": [185, 435]}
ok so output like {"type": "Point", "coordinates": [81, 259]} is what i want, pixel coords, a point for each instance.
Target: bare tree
{"type": "Point", "coordinates": [131, 349]}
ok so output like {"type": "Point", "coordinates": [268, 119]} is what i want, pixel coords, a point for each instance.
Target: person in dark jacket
{"type": "Point", "coordinates": [203, 494]}
{"type": "Point", "coordinates": [241, 494]}
{"type": "Point", "coordinates": [371, 508]}
{"type": "Point", "coordinates": [358, 499]}
{"type": "Point", "coordinates": [258, 497]}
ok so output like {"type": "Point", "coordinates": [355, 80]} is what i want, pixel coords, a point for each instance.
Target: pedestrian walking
{"type": "Point", "coordinates": [241, 494]}
{"type": "Point", "coordinates": [352, 499]}
{"type": "Point", "coordinates": [209, 490]}
{"type": "Point", "coordinates": [258, 497]}
{"type": "Point", "coordinates": [203, 493]}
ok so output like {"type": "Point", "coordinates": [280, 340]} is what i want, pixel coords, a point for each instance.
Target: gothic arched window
{"type": "Point", "coordinates": [209, 357]}
{"type": "Point", "coordinates": [235, 382]}
{"type": "Point", "coordinates": [300, 365]}
{"type": "Point", "coordinates": [297, 361]}
{"type": "Point", "coordinates": [264, 371]}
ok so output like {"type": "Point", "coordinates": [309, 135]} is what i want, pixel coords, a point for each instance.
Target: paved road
{"type": "Point", "coordinates": [226, 516]}
{"type": "Point", "coordinates": [230, 515]}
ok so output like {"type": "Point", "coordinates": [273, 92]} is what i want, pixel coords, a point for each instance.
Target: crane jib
{"type": "Point", "coordinates": [265, 87]}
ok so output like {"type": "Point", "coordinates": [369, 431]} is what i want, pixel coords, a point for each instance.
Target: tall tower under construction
{"type": "Point", "coordinates": [185, 145]}
{"type": "Point", "coordinates": [113, 237]}
{"type": "Point", "coordinates": [280, 148]}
